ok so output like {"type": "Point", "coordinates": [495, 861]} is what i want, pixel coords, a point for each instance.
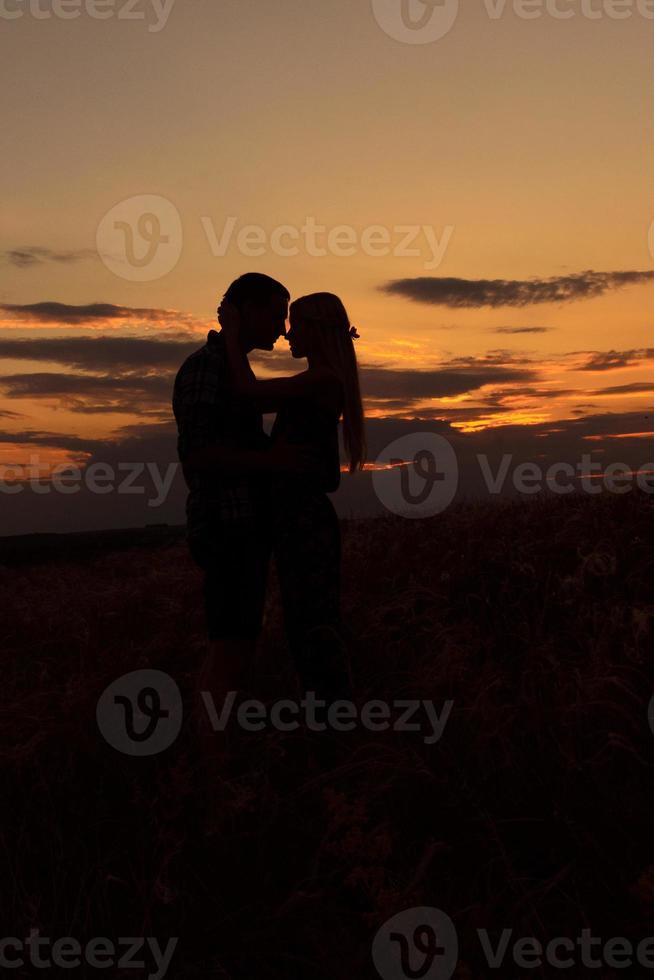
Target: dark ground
{"type": "Point", "coordinates": [533, 812]}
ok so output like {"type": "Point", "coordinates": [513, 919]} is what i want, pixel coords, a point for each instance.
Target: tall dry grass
{"type": "Point", "coordinates": [534, 811]}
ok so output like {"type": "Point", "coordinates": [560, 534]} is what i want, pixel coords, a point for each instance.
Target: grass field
{"type": "Point", "coordinates": [533, 812]}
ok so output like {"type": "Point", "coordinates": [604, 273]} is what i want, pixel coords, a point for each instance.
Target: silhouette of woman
{"type": "Point", "coordinates": [306, 533]}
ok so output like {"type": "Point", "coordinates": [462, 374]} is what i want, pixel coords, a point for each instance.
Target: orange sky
{"type": "Point", "coordinates": [523, 145]}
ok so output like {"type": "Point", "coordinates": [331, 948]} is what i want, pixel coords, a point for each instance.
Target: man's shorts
{"type": "Point", "coordinates": [235, 559]}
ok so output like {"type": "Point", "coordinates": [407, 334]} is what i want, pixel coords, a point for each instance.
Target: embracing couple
{"type": "Point", "coordinates": [252, 495]}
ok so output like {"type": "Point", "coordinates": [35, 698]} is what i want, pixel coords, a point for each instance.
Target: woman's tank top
{"type": "Point", "coordinates": [304, 422]}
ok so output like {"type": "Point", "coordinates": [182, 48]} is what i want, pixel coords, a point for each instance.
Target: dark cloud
{"type": "Point", "coordinates": [607, 424]}
{"type": "Point", "coordinates": [152, 392]}
{"type": "Point", "coordinates": [633, 389]}
{"type": "Point", "coordinates": [94, 393]}
{"type": "Point", "coordinates": [49, 384]}
{"type": "Point", "coordinates": [53, 440]}
{"type": "Point", "coordinates": [137, 368]}
{"type": "Point", "coordinates": [51, 312]}
{"type": "Point", "coordinates": [499, 357]}
{"type": "Point", "coordinates": [475, 293]}
{"type": "Point", "coordinates": [614, 359]}
{"type": "Point", "coordinates": [530, 391]}
{"type": "Point", "coordinates": [397, 408]}
{"type": "Point", "coordinates": [30, 255]}
{"type": "Point", "coordinates": [518, 330]}
{"type": "Point", "coordinates": [438, 383]}
{"type": "Point", "coordinates": [103, 353]}
{"type": "Point", "coordinates": [135, 375]}
{"type": "Point", "coordinates": [138, 430]}
{"type": "Point", "coordinates": [86, 407]}
{"type": "Point", "coordinates": [391, 405]}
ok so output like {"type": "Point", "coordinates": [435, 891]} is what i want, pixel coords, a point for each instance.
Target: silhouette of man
{"type": "Point", "coordinates": [227, 461]}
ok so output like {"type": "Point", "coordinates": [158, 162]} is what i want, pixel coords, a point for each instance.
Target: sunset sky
{"type": "Point", "coordinates": [524, 145]}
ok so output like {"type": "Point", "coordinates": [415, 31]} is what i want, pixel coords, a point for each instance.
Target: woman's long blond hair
{"type": "Point", "coordinates": [330, 328]}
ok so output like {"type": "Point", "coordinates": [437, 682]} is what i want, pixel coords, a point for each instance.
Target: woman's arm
{"type": "Point", "coordinates": [271, 393]}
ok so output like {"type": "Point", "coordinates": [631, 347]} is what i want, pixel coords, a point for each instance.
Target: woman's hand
{"type": "Point", "coordinates": [229, 318]}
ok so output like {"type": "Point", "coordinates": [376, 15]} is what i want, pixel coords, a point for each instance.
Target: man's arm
{"type": "Point", "coordinates": [242, 462]}
{"type": "Point", "coordinates": [199, 452]}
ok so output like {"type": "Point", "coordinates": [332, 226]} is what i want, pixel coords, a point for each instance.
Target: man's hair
{"type": "Point", "coordinates": [255, 288]}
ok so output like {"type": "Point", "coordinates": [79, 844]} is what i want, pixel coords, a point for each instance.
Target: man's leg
{"type": "Point", "coordinates": [228, 666]}
{"type": "Point", "coordinates": [234, 593]}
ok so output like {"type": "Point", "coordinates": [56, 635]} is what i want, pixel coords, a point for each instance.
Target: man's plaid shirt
{"type": "Point", "coordinates": [209, 414]}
